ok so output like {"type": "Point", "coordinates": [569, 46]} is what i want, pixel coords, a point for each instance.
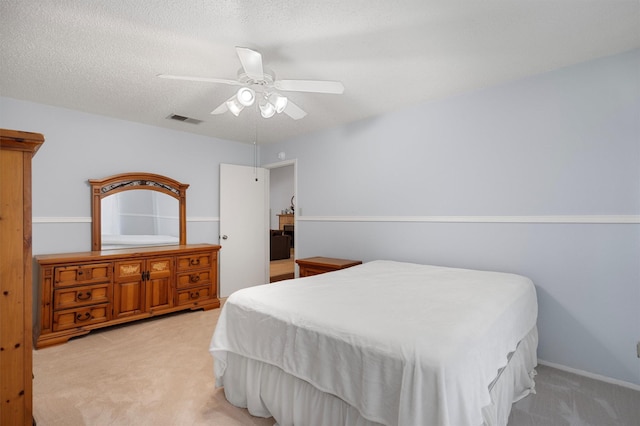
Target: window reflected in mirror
{"type": "Point", "coordinates": [139, 217]}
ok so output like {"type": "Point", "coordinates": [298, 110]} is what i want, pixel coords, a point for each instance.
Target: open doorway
{"type": "Point", "coordinates": [282, 220]}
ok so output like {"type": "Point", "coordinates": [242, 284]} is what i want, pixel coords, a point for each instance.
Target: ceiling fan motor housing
{"type": "Point", "coordinates": [268, 78]}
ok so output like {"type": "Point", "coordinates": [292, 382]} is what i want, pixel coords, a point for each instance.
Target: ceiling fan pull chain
{"type": "Point", "coordinates": [255, 146]}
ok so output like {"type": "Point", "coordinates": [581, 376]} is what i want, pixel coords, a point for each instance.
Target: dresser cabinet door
{"type": "Point", "coordinates": [128, 288]}
{"type": "Point", "coordinates": [158, 284]}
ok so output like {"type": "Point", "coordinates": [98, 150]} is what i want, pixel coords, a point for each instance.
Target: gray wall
{"type": "Point", "coordinates": [539, 177]}
{"type": "Point", "coordinates": [80, 146]}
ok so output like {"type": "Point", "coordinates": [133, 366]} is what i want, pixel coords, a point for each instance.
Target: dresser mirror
{"type": "Point", "coordinates": [137, 210]}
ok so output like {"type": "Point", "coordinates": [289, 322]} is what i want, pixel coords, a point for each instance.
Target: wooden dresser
{"type": "Point", "coordinates": [80, 292]}
{"type": "Point", "coordinates": [16, 382]}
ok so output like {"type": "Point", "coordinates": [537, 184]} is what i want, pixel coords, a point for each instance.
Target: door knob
{"type": "Point", "coordinates": [224, 237]}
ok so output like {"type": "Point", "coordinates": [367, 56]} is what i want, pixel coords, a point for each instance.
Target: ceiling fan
{"type": "Point", "coordinates": [260, 85]}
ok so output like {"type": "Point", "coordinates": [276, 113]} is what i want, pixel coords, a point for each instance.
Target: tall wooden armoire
{"type": "Point", "coordinates": [16, 345]}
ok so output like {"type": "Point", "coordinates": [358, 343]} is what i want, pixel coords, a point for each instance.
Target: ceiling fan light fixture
{"type": "Point", "coordinates": [267, 110]}
{"type": "Point", "coordinates": [234, 106]}
{"type": "Point", "coordinates": [254, 77]}
{"type": "Point", "coordinates": [246, 96]}
{"type": "Point", "coordinates": [278, 101]}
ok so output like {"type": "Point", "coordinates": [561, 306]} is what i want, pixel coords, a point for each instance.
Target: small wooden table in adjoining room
{"type": "Point", "coordinates": [285, 219]}
{"type": "Point", "coordinates": [320, 265]}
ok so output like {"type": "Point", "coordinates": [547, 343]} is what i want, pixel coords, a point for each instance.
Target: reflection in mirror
{"type": "Point", "coordinates": [138, 218]}
{"type": "Point", "coordinates": [137, 210]}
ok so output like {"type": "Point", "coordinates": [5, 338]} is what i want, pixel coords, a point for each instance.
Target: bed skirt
{"type": "Point", "coordinates": [267, 391]}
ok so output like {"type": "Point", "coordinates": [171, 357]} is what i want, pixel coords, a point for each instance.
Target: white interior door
{"type": "Point", "coordinates": [244, 226]}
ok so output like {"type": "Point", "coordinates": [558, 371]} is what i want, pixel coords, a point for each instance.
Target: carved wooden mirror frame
{"type": "Point", "coordinates": [101, 188]}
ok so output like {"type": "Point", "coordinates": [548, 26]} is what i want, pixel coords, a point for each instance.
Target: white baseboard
{"type": "Point", "coordinates": [594, 376]}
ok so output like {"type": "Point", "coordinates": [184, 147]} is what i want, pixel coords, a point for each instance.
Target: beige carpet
{"type": "Point", "coordinates": [156, 372]}
{"type": "Point", "coordinates": [159, 372]}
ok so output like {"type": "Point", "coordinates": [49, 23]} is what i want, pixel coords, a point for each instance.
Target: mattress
{"type": "Point", "coordinates": [400, 343]}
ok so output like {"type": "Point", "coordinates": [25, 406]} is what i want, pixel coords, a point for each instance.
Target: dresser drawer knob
{"type": "Point", "coordinates": [194, 262]}
{"type": "Point", "coordinates": [194, 278]}
{"type": "Point", "coordinates": [194, 294]}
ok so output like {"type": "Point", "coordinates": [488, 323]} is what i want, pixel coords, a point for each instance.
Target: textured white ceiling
{"type": "Point", "coordinates": [103, 56]}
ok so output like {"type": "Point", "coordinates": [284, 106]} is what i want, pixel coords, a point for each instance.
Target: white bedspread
{"type": "Point", "coordinates": [404, 344]}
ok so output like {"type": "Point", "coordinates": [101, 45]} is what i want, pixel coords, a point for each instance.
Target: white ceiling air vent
{"type": "Point", "coordinates": [184, 119]}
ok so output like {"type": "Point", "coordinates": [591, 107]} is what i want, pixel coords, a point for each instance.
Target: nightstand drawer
{"type": "Point", "coordinates": [320, 265]}
{"type": "Point", "coordinates": [307, 271]}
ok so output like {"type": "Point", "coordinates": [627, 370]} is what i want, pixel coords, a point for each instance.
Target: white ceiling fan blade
{"type": "Point", "coordinates": [294, 111]}
{"type": "Point", "coordinates": [251, 62]}
{"type": "Point", "coordinates": [316, 86]}
{"type": "Point", "coordinates": [203, 79]}
{"type": "Point", "coordinates": [221, 109]}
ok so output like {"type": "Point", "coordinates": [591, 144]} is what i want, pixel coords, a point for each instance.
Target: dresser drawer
{"type": "Point", "coordinates": [195, 261]}
{"type": "Point", "coordinates": [82, 274]}
{"type": "Point", "coordinates": [68, 298]}
{"type": "Point", "coordinates": [193, 295]}
{"type": "Point", "coordinates": [193, 279]}
{"type": "Point", "coordinates": [74, 318]}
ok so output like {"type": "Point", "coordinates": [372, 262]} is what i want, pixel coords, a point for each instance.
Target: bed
{"type": "Point", "coordinates": [385, 342]}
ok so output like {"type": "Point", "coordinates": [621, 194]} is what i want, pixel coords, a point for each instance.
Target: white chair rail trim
{"type": "Point", "coordinates": [588, 219]}
{"type": "Point", "coordinates": [88, 219]}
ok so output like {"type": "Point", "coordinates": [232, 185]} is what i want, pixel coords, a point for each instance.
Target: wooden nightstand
{"type": "Point", "coordinates": [320, 265]}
